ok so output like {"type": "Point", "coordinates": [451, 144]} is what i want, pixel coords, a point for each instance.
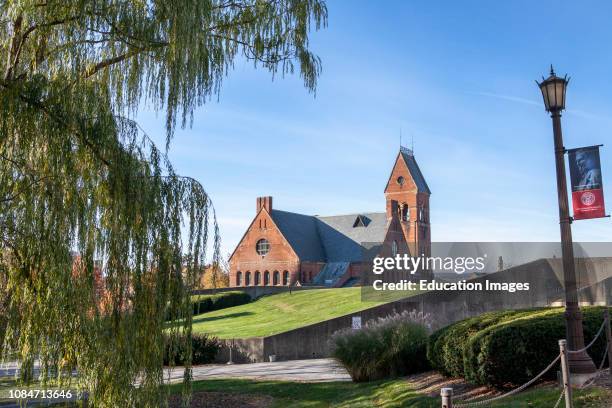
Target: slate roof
{"type": "Point", "coordinates": [342, 241]}
{"type": "Point", "coordinates": [301, 232]}
{"type": "Point", "coordinates": [415, 171]}
{"type": "Point", "coordinates": [330, 239]}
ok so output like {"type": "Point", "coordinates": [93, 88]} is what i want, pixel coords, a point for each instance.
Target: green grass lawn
{"type": "Point", "coordinates": [278, 313]}
{"type": "Point", "coordinates": [382, 394]}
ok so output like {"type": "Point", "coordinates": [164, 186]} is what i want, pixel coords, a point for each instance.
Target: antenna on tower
{"type": "Point", "coordinates": [400, 136]}
{"type": "Point", "coordinates": [412, 142]}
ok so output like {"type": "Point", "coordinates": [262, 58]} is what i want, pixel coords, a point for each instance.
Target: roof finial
{"type": "Point", "coordinates": [400, 136]}
{"type": "Point", "coordinates": [552, 71]}
{"type": "Point", "coordinates": [412, 142]}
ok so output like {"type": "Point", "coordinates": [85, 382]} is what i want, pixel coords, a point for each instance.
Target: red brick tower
{"type": "Point", "coordinates": [408, 194]}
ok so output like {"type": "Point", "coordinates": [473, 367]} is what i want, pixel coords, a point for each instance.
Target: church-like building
{"type": "Point", "coordinates": [284, 248]}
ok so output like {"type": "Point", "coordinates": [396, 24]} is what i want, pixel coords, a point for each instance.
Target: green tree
{"type": "Point", "coordinates": [80, 183]}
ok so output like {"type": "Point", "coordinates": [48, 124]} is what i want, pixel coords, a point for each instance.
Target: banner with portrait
{"type": "Point", "coordinates": [587, 187]}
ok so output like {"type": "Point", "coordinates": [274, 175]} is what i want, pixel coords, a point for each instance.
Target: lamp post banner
{"type": "Point", "coordinates": [587, 187]}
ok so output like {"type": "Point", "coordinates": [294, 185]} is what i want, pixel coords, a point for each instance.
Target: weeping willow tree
{"type": "Point", "coordinates": [99, 238]}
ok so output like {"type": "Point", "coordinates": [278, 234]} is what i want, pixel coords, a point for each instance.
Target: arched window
{"type": "Point", "coordinates": [257, 278]}
{"type": "Point", "coordinates": [266, 278]}
{"type": "Point", "coordinates": [247, 279]}
{"type": "Point", "coordinates": [394, 248]}
{"type": "Point", "coordinates": [276, 278]}
{"type": "Point", "coordinates": [285, 278]}
{"type": "Point", "coordinates": [238, 278]}
{"type": "Point", "coordinates": [262, 247]}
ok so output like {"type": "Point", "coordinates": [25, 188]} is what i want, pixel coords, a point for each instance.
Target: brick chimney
{"type": "Point", "coordinates": [264, 202]}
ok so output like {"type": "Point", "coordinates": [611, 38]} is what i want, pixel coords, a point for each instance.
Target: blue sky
{"type": "Point", "coordinates": [458, 77]}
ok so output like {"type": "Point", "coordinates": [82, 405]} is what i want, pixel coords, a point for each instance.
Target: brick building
{"type": "Point", "coordinates": [282, 248]}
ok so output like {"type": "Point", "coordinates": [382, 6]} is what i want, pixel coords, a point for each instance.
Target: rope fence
{"type": "Point", "coordinates": [560, 398]}
{"type": "Point", "coordinates": [582, 350]}
{"type": "Point", "coordinates": [509, 393]}
{"type": "Point", "coordinates": [566, 393]}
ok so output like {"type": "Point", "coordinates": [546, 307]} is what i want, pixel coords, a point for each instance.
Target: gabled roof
{"type": "Point", "coordinates": [330, 239]}
{"type": "Point", "coordinates": [342, 241]}
{"type": "Point", "coordinates": [414, 170]}
{"type": "Point", "coordinates": [301, 232]}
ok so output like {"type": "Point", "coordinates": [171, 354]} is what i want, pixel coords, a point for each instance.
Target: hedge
{"type": "Point", "coordinates": [506, 349]}
{"type": "Point", "coordinates": [204, 349]}
{"type": "Point", "coordinates": [208, 303]}
{"type": "Point", "coordinates": [445, 346]}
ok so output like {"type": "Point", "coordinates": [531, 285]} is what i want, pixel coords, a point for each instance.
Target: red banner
{"type": "Point", "coordinates": [587, 186]}
{"type": "Point", "coordinates": [588, 204]}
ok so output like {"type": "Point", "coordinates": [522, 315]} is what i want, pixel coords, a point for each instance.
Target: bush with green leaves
{"type": "Point", "coordinates": [506, 349]}
{"type": "Point", "coordinates": [204, 348]}
{"type": "Point", "coordinates": [208, 303]}
{"type": "Point", "coordinates": [445, 346]}
{"type": "Point", "coordinates": [386, 347]}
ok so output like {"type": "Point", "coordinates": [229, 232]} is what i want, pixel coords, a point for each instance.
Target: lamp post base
{"type": "Point", "coordinates": [581, 364]}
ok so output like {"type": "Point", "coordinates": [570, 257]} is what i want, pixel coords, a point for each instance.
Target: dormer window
{"type": "Point", "coordinates": [360, 221]}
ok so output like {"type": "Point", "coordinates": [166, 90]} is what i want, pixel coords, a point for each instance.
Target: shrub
{"type": "Point", "coordinates": [445, 347]}
{"type": "Point", "coordinates": [512, 353]}
{"type": "Point", "coordinates": [386, 347]}
{"type": "Point", "coordinates": [203, 346]}
{"type": "Point", "coordinates": [506, 349]}
{"type": "Point", "coordinates": [207, 303]}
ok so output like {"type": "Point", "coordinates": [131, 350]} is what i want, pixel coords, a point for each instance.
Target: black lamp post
{"type": "Point", "coordinates": [553, 90]}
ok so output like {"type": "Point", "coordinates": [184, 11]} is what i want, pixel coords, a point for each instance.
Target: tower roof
{"type": "Point", "coordinates": [415, 171]}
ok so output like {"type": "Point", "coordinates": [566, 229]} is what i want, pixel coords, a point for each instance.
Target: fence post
{"type": "Point", "coordinates": [566, 374]}
{"type": "Point", "coordinates": [447, 397]}
{"type": "Point", "coordinates": [608, 340]}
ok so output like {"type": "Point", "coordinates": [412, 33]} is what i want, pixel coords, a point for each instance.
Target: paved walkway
{"type": "Point", "coordinates": [315, 370]}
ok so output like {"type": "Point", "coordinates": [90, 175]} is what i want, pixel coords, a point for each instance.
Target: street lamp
{"type": "Point", "coordinates": [553, 91]}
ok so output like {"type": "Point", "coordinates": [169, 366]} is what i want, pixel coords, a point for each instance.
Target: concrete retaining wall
{"type": "Point", "coordinates": [243, 351]}
{"type": "Point", "coordinates": [446, 307]}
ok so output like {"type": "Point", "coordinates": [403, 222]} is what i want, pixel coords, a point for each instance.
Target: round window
{"type": "Point", "coordinates": [400, 180]}
{"type": "Point", "coordinates": [262, 247]}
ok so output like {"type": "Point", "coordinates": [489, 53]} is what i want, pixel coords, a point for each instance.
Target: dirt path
{"type": "Point", "coordinates": [430, 383]}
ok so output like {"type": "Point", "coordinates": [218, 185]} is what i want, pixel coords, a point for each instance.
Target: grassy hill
{"type": "Point", "coordinates": [278, 313]}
